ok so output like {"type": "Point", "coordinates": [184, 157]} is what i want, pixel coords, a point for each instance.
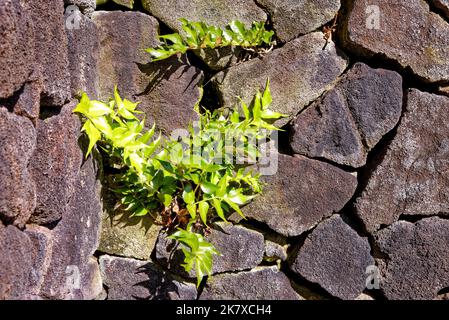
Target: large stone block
{"type": "Point", "coordinates": [264, 283]}
{"type": "Point", "coordinates": [51, 50]}
{"type": "Point", "coordinates": [416, 263]}
{"type": "Point", "coordinates": [168, 90]}
{"type": "Point", "coordinates": [301, 194]}
{"type": "Point", "coordinates": [405, 31]}
{"type": "Point", "coordinates": [72, 274]}
{"type": "Point", "coordinates": [335, 257]}
{"type": "Point", "coordinates": [128, 279]}
{"type": "Point", "coordinates": [16, 47]}
{"type": "Point", "coordinates": [24, 259]}
{"type": "Point", "coordinates": [411, 179]}
{"type": "Point", "coordinates": [351, 118]}
{"type": "Point", "coordinates": [17, 188]}
{"type": "Point", "coordinates": [299, 73]}
{"type": "Point", "coordinates": [292, 18]}
{"type": "Point", "coordinates": [55, 164]}
{"type": "Point", "coordinates": [218, 13]}
{"type": "Point", "coordinates": [83, 53]}
{"type": "Point", "coordinates": [326, 130]}
{"type": "Point", "coordinates": [122, 235]}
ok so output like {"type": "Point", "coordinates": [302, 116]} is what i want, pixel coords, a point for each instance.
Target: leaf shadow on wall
{"type": "Point", "coordinates": [164, 69]}
{"type": "Point", "coordinates": [160, 285]}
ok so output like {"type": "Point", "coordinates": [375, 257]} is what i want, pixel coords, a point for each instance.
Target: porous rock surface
{"type": "Point", "coordinates": [361, 176]}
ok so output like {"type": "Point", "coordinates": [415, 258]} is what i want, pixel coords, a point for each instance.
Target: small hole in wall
{"type": "Point", "coordinates": [112, 6]}
{"type": "Point", "coordinates": [164, 29]}
{"type": "Point", "coordinates": [10, 102]}
{"type": "Point", "coordinates": [48, 112]}
{"type": "Point", "coordinates": [211, 96]}
{"type": "Point", "coordinates": [444, 292]}
{"type": "Point", "coordinates": [51, 225]}
{"type": "Point", "coordinates": [284, 140]}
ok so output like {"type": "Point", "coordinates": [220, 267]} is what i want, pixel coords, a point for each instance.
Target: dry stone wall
{"type": "Point", "coordinates": [358, 208]}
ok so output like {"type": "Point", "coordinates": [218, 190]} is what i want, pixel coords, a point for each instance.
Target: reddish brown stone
{"type": "Point", "coordinates": [16, 47]}
{"type": "Point", "coordinates": [55, 164]}
{"type": "Point", "coordinates": [29, 100]}
{"type": "Point", "coordinates": [17, 188]}
{"type": "Point", "coordinates": [23, 261]}
{"type": "Point", "coordinates": [405, 31]}
{"type": "Point", "coordinates": [83, 54]}
{"type": "Point", "coordinates": [51, 50]}
{"type": "Point", "coordinates": [72, 274]}
{"type": "Point", "coordinates": [168, 90]}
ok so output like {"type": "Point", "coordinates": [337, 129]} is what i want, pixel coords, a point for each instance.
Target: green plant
{"type": "Point", "coordinates": [199, 35]}
{"type": "Point", "coordinates": [184, 182]}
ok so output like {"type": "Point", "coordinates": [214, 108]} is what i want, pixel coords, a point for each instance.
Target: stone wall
{"type": "Point", "coordinates": [361, 196]}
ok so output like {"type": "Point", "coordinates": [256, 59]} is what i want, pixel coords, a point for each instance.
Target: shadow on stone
{"type": "Point", "coordinates": [159, 285]}
{"type": "Point", "coordinates": [164, 69]}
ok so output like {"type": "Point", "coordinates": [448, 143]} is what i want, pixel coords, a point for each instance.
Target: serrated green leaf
{"type": "Point", "coordinates": [192, 38]}
{"type": "Point", "coordinates": [268, 114]}
{"type": "Point", "coordinates": [160, 54]}
{"type": "Point", "coordinates": [257, 107]}
{"type": "Point", "coordinates": [102, 124]}
{"type": "Point", "coordinates": [92, 133]}
{"type": "Point", "coordinates": [203, 207]}
{"type": "Point", "coordinates": [266, 97]}
{"type": "Point", "coordinates": [245, 109]}
{"type": "Point", "coordinates": [140, 212]}
{"type": "Point", "coordinates": [238, 28]}
{"type": "Point", "coordinates": [98, 108]}
{"type": "Point", "coordinates": [83, 106]}
{"type": "Point", "coordinates": [235, 117]}
{"type": "Point", "coordinates": [174, 38]}
{"type": "Point", "coordinates": [199, 253]}
{"type": "Point", "coordinates": [235, 207]}
{"type": "Point", "coordinates": [217, 205]}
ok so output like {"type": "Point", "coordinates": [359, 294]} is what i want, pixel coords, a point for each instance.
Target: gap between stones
{"type": "Point", "coordinates": [435, 9]}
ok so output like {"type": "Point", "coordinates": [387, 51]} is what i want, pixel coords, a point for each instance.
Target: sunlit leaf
{"type": "Point", "coordinates": [192, 210]}
{"type": "Point", "coordinates": [92, 133]}
{"type": "Point", "coordinates": [217, 205]}
{"type": "Point", "coordinates": [203, 209]}
{"type": "Point", "coordinates": [188, 195]}
{"type": "Point", "coordinates": [208, 188]}
{"type": "Point", "coordinates": [266, 97]}
{"type": "Point", "coordinates": [197, 34]}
